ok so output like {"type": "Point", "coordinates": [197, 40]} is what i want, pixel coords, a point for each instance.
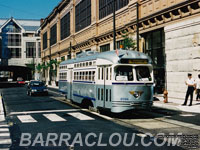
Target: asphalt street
{"type": "Point", "coordinates": [43, 117]}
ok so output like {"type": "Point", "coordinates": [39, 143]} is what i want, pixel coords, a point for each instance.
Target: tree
{"type": "Point", "coordinates": [39, 67]}
{"type": "Point", "coordinates": [129, 43]}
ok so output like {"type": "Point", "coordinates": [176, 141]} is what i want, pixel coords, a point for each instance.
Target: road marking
{"type": "Point", "coordinates": [4, 129]}
{"type": "Point", "coordinates": [5, 141]}
{"type": "Point", "coordinates": [187, 115]}
{"type": "Point", "coordinates": [26, 119]}
{"type": "Point", "coordinates": [4, 134]}
{"type": "Point", "coordinates": [81, 116]}
{"type": "Point", "coordinates": [54, 117]}
{"type": "Point", "coordinates": [42, 111]}
{"type": "Point", "coordinates": [141, 135]}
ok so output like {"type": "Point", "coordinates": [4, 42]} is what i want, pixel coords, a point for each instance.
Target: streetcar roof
{"type": "Point", "coordinates": [110, 56]}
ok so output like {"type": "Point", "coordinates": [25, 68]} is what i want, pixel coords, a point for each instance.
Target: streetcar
{"type": "Point", "coordinates": [116, 80]}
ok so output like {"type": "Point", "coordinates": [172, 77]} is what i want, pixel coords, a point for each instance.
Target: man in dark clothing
{"type": "Point", "coordinates": [190, 82]}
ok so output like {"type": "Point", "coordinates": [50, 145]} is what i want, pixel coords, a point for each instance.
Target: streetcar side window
{"type": "Point", "coordinates": [143, 73]}
{"type": "Point", "coordinates": [124, 73]}
{"type": "Point", "coordinates": [99, 73]}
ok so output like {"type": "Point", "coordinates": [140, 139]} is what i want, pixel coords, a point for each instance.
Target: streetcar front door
{"type": "Point", "coordinates": [104, 86]}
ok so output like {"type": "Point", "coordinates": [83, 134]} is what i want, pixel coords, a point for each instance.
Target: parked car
{"type": "Point", "coordinates": [20, 81]}
{"type": "Point", "coordinates": [36, 87]}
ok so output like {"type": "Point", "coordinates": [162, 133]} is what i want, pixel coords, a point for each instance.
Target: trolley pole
{"type": "Point", "coordinates": [137, 6]}
{"type": "Point", "coordinates": [114, 26]}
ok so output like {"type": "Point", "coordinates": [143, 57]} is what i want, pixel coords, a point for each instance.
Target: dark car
{"type": "Point", "coordinates": [36, 87]}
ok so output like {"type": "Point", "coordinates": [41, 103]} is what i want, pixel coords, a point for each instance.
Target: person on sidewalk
{"type": "Point", "coordinates": [198, 88]}
{"type": "Point", "coordinates": [190, 82]}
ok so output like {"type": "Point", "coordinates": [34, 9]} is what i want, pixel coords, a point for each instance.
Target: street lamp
{"type": "Point", "coordinates": [137, 6]}
{"type": "Point", "coordinates": [49, 61]}
{"type": "Point", "coordinates": [114, 26]}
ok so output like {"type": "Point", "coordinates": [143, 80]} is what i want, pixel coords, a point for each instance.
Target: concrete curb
{"type": "Point", "coordinates": [192, 109]}
{"type": "Point", "coordinates": [2, 114]}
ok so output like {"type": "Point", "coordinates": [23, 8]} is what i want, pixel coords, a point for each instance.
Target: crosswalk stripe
{"type": "Point", "coordinates": [54, 117]}
{"type": "Point", "coordinates": [26, 119]}
{"type": "Point", "coordinates": [4, 129]}
{"type": "Point", "coordinates": [4, 134]}
{"type": "Point", "coordinates": [80, 116]}
{"type": "Point", "coordinates": [5, 141]}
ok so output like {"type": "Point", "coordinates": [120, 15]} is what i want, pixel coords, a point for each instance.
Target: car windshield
{"type": "Point", "coordinates": [143, 73]}
{"type": "Point", "coordinates": [37, 84]}
{"type": "Point", "coordinates": [124, 73]}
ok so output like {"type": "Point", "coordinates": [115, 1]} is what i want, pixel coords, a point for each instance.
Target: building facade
{"type": "Point", "coordinates": [20, 47]}
{"type": "Point", "coordinates": [169, 33]}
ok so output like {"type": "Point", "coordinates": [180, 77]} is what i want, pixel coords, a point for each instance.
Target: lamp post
{"type": "Point", "coordinates": [49, 61]}
{"type": "Point", "coordinates": [114, 26]}
{"type": "Point", "coordinates": [137, 7]}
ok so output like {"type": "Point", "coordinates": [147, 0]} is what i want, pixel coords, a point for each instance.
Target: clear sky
{"type": "Point", "coordinates": [26, 9]}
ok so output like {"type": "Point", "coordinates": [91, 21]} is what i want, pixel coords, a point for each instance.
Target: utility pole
{"type": "Point", "coordinates": [49, 61]}
{"type": "Point", "coordinates": [137, 6]}
{"type": "Point", "coordinates": [70, 49]}
{"type": "Point", "coordinates": [114, 25]}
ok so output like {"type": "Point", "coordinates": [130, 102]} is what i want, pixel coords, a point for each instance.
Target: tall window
{"type": "Point", "coordinates": [15, 52]}
{"type": "Point", "coordinates": [105, 48]}
{"type": "Point", "coordinates": [13, 39]}
{"type": "Point", "coordinates": [155, 48]}
{"type": "Point", "coordinates": [53, 32]}
{"type": "Point", "coordinates": [106, 7]}
{"type": "Point", "coordinates": [39, 49]}
{"type": "Point", "coordinates": [30, 49]}
{"type": "Point", "coordinates": [83, 14]}
{"type": "Point", "coordinates": [65, 26]}
{"type": "Point", "coordinates": [45, 40]}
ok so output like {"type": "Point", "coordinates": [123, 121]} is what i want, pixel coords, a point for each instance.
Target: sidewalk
{"type": "Point", "coordinates": [176, 104]}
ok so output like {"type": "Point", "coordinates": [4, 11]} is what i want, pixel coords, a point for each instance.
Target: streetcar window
{"type": "Point", "coordinates": [110, 95]}
{"type": "Point", "coordinates": [86, 63]}
{"type": "Point", "coordinates": [99, 73]}
{"type": "Point", "coordinates": [90, 76]}
{"type": "Point", "coordinates": [101, 94]}
{"type": "Point", "coordinates": [143, 73]}
{"type": "Point", "coordinates": [106, 94]}
{"type": "Point", "coordinates": [93, 75]}
{"type": "Point", "coordinates": [86, 76]}
{"type": "Point", "coordinates": [94, 63]}
{"type": "Point", "coordinates": [98, 93]}
{"type": "Point", "coordinates": [110, 73]}
{"type": "Point", "coordinates": [102, 73]}
{"type": "Point", "coordinates": [90, 63]}
{"type": "Point", "coordinates": [106, 73]}
{"type": "Point", "coordinates": [124, 73]}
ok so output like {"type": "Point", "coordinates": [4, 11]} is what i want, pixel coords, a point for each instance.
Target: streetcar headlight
{"type": "Point", "coordinates": [136, 94]}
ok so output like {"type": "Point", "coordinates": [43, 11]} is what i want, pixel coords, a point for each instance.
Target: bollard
{"type": "Point", "coordinates": [165, 96]}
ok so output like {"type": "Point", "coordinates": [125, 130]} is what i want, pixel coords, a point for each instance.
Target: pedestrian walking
{"type": "Point", "coordinates": [198, 88]}
{"type": "Point", "coordinates": [190, 82]}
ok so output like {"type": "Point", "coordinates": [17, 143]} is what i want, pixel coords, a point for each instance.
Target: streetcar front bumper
{"type": "Point", "coordinates": [118, 107]}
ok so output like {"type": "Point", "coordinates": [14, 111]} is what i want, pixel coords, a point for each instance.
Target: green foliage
{"type": "Point", "coordinates": [129, 43]}
{"type": "Point", "coordinates": [39, 67]}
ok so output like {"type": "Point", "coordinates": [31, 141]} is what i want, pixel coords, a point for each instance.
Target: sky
{"type": "Point", "coordinates": [27, 9]}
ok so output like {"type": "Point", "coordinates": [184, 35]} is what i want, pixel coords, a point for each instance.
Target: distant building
{"type": "Point", "coordinates": [19, 47]}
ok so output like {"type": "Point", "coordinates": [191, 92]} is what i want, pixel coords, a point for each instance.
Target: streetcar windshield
{"type": "Point", "coordinates": [124, 73]}
{"type": "Point", "coordinates": [143, 73]}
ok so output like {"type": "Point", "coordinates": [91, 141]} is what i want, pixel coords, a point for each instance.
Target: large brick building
{"type": "Point", "coordinates": [169, 34]}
